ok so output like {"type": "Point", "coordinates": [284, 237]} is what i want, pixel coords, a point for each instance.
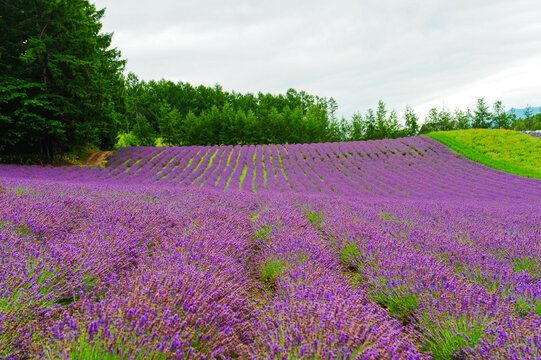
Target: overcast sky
{"type": "Point", "coordinates": [419, 53]}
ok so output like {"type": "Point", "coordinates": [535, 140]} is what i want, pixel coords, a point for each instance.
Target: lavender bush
{"type": "Point", "coordinates": [391, 249]}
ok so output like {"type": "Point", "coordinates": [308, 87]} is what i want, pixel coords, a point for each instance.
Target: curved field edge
{"type": "Point", "coordinates": [504, 150]}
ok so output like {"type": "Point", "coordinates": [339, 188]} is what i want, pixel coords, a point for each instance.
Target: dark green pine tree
{"type": "Point", "coordinates": [143, 132]}
{"type": "Point", "coordinates": [393, 126]}
{"type": "Point", "coordinates": [170, 124]}
{"type": "Point", "coordinates": [191, 130]}
{"type": "Point", "coordinates": [61, 84]}
{"type": "Point", "coordinates": [22, 99]}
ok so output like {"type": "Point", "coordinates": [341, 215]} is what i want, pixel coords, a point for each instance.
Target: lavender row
{"type": "Point", "coordinates": [310, 309]}
{"type": "Point", "coordinates": [406, 270]}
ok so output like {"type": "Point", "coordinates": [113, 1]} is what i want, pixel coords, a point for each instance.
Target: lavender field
{"type": "Point", "coordinates": [388, 249]}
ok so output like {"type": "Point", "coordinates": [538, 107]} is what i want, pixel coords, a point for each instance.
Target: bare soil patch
{"type": "Point", "coordinates": [98, 158]}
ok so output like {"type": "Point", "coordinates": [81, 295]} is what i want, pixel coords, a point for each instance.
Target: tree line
{"type": "Point", "coordinates": [479, 118]}
{"type": "Point", "coordinates": [63, 87]}
{"type": "Point", "coordinates": [181, 114]}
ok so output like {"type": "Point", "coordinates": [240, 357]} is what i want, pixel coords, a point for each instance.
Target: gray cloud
{"type": "Point", "coordinates": [404, 52]}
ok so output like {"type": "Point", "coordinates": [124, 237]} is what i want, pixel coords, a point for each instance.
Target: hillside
{"type": "Point", "coordinates": [505, 150]}
{"type": "Point", "coordinates": [408, 167]}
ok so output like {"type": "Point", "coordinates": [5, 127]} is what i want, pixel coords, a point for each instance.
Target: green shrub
{"type": "Point", "coordinates": [124, 140]}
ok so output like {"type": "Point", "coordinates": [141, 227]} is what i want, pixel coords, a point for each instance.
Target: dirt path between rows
{"type": "Point", "coordinates": [98, 158]}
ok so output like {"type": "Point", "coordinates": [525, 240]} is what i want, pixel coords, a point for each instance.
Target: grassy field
{"type": "Point", "coordinates": [500, 149]}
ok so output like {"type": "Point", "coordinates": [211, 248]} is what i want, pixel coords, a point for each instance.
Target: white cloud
{"type": "Point", "coordinates": [517, 86]}
{"type": "Point", "coordinates": [421, 53]}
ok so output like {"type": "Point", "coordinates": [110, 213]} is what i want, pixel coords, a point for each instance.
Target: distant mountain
{"type": "Point", "coordinates": [520, 112]}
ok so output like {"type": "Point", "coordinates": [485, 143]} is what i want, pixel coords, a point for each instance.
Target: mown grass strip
{"type": "Point", "coordinates": [504, 150]}
{"type": "Point", "coordinates": [264, 165]}
{"type": "Point", "coordinates": [221, 173]}
{"type": "Point", "coordinates": [242, 176]}
{"type": "Point", "coordinates": [229, 157]}
{"type": "Point", "coordinates": [281, 163]}
{"type": "Point", "coordinates": [208, 165]}
{"type": "Point", "coordinates": [254, 173]}
{"type": "Point", "coordinates": [190, 161]}
{"type": "Point", "coordinates": [201, 159]}
{"type": "Point", "coordinates": [234, 168]}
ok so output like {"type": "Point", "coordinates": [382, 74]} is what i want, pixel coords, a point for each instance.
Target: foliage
{"type": "Point", "coordinates": [480, 118]}
{"type": "Point", "coordinates": [60, 85]}
{"type": "Point", "coordinates": [446, 338]}
{"type": "Point", "coordinates": [531, 123]}
{"type": "Point", "coordinates": [124, 140]}
{"type": "Point", "coordinates": [412, 122]}
{"type": "Point", "coordinates": [143, 132]}
{"type": "Point", "coordinates": [315, 218]}
{"type": "Point", "coordinates": [62, 88]}
{"type": "Point", "coordinates": [504, 150]}
{"type": "Point", "coordinates": [183, 114]}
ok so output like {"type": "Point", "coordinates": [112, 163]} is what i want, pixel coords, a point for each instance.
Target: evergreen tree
{"type": "Point", "coordinates": [371, 126]}
{"type": "Point", "coordinates": [462, 119]}
{"type": "Point", "coordinates": [143, 132]}
{"type": "Point", "coordinates": [171, 125]}
{"type": "Point", "coordinates": [61, 84]}
{"type": "Point", "coordinates": [134, 101]}
{"type": "Point", "coordinates": [358, 127]}
{"type": "Point", "coordinates": [239, 130]}
{"type": "Point", "coordinates": [345, 129]}
{"type": "Point", "coordinates": [333, 131]}
{"type": "Point", "coordinates": [528, 113]}
{"type": "Point", "coordinates": [190, 130]}
{"type": "Point", "coordinates": [482, 117]}
{"type": "Point", "coordinates": [393, 126]}
{"type": "Point", "coordinates": [500, 118]}
{"type": "Point", "coordinates": [271, 126]}
{"type": "Point", "coordinates": [228, 125]}
{"type": "Point", "coordinates": [253, 135]}
{"type": "Point", "coordinates": [381, 121]}
{"type": "Point", "coordinates": [431, 120]}
{"type": "Point", "coordinates": [412, 122]}
{"type": "Point", "coordinates": [316, 123]}
{"type": "Point", "coordinates": [445, 120]}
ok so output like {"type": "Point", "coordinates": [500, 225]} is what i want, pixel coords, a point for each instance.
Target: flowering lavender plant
{"type": "Point", "coordinates": [390, 249]}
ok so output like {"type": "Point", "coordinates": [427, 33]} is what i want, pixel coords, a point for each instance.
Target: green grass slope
{"type": "Point", "coordinates": [500, 149]}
